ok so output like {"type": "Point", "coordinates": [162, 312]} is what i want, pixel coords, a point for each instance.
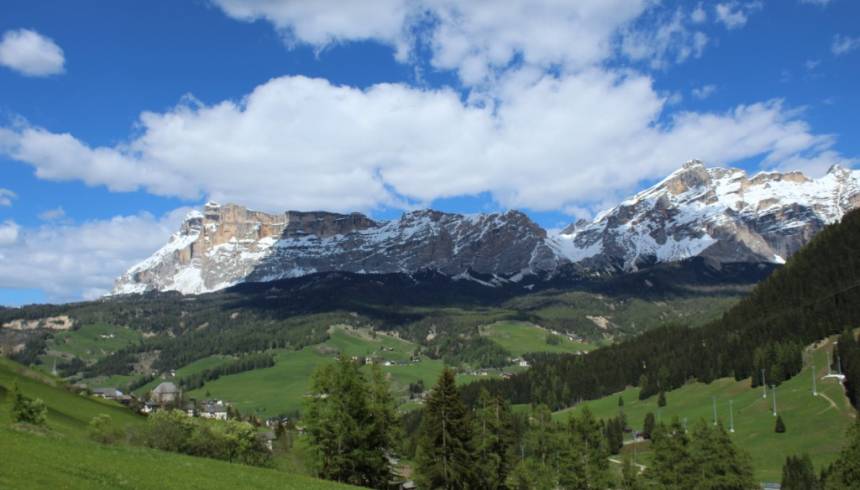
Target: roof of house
{"type": "Point", "coordinates": [166, 387]}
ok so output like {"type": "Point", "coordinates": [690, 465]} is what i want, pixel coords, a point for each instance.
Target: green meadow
{"type": "Point", "coordinates": [815, 424]}
{"type": "Point", "coordinates": [61, 456]}
{"type": "Point", "coordinates": [520, 338]}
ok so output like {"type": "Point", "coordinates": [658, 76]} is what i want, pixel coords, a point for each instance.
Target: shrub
{"type": "Point", "coordinates": [101, 429]}
{"type": "Point", "coordinates": [28, 411]}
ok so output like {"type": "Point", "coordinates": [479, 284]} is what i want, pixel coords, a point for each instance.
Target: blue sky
{"type": "Point", "coordinates": [116, 117]}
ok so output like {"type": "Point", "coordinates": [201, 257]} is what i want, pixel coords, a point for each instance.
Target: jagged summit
{"type": "Point", "coordinates": [719, 213]}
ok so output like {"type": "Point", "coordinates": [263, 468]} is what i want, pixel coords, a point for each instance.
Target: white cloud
{"type": "Point", "coordinates": [844, 44]}
{"type": "Point", "coordinates": [735, 14]}
{"type": "Point", "coordinates": [300, 143]}
{"type": "Point", "coordinates": [704, 91]}
{"type": "Point", "coordinates": [820, 3]}
{"type": "Point", "coordinates": [475, 38]}
{"type": "Point", "coordinates": [8, 232]}
{"type": "Point", "coordinates": [31, 53]}
{"type": "Point", "coordinates": [6, 197]}
{"type": "Point", "coordinates": [668, 40]}
{"type": "Point", "coordinates": [811, 64]}
{"type": "Point", "coordinates": [52, 214]}
{"type": "Point", "coordinates": [72, 262]}
{"type": "Point", "coordinates": [699, 15]}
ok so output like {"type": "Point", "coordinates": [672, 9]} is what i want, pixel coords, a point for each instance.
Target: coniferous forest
{"type": "Point", "coordinates": [816, 294]}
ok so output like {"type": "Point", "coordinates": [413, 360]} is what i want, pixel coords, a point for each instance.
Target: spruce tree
{"type": "Point", "coordinates": [350, 424]}
{"type": "Point", "coordinates": [629, 474]}
{"type": "Point", "coordinates": [671, 457]}
{"type": "Point", "coordinates": [779, 426]}
{"type": "Point", "coordinates": [493, 441]}
{"type": "Point", "coordinates": [844, 474]}
{"type": "Point", "coordinates": [446, 455]}
{"type": "Point", "coordinates": [715, 462]}
{"type": "Point", "coordinates": [799, 474]}
{"type": "Point", "coordinates": [648, 425]}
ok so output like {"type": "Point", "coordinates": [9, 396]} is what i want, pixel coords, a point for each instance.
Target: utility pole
{"type": "Point", "coordinates": [814, 390]}
{"type": "Point", "coordinates": [731, 417]}
{"type": "Point", "coordinates": [838, 363]}
{"type": "Point", "coordinates": [763, 385]}
{"type": "Point", "coordinates": [774, 400]}
{"type": "Point", "coordinates": [828, 363]}
{"type": "Point", "coordinates": [714, 400]}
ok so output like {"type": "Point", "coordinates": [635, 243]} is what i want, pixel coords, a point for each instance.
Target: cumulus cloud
{"type": "Point", "coordinates": [72, 262]}
{"type": "Point", "coordinates": [31, 53]}
{"type": "Point", "coordinates": [6, 197]}
{"type": "Point", "coordinates": [668, 39]}
{"type": "Point", "coordinates": [52, 214]}
{"type": "Point", "coordinates": [699, 15]}
{"type": "Point", "coordinates": [736, 14]}
{"type": "Point", "coordinates": [476, 39]}
{"type": "Point", "coordinates": [8, 233]}
{"type": "Point", "coordinates": [844, 44]}
{"type": "Point", "coordinates": [548, 142]}
{"type": "Point", "coordinates": [704, 91]}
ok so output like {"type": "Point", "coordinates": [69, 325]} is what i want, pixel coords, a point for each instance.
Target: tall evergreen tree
{"type": "Point", "coordinates": [586, 461]}
{"type": "Point", "coordinates": [493, 441]}
{"type": "Point", "coordinates": [715, 463]}
{"type": "Point", "coordinates": [799, 474]}
{"type": "Point", "coordinates": [446, 455]}
{"type": "Point", "coordinates": [648, 425]}
{"type": "Point", "coordinates": [669, 467]}
{"type": "Point", "coordinates": [350, 424]}
{"type": "Point", "coordinates": [844, 474]}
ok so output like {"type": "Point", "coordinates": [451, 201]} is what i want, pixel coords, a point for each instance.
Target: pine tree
{"type": "Point", "coordinates": [588, 430]}
{"type": "Point", "coordinates": [648, 425]}
{"type": "Point", "coordinates": [799, 474]}
{"type": "Point", "coordinates": [844, 474]}
{"type": "Point", "coordinates": [779, 427]}
{"type": "Point", "coordinates": [715, 462]}
{"type": "Point", "coordinates": [351, 424]}
{"type": "Point", "coordinates": [661, 400]}
{"type": "Point", "coordinates": [629, 474]}
{"type": "Point", "coordinates": [493, 441]}
{"type": "Point", "coordinates": [671, 457]}
{"type": "Point", "coordinates": [445, 456]}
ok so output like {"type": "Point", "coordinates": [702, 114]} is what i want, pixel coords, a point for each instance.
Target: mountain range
{"type": "Point", "coordinates": [720, 214]}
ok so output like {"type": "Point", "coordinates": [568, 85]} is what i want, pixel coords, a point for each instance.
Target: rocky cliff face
{"type": "Point", "coordinates": [229, 244]}
{"type": "Point", "coordinates": [714, 212]}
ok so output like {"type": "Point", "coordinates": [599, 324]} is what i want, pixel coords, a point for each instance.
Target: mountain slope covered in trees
{"type": "Point", "coordinates": [815, 295]}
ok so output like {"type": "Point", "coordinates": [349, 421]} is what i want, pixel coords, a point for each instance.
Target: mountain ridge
{"type": "Point", "coordinates": [718, 213]}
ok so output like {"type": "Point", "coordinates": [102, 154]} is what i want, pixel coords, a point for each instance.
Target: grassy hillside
{"type": "Point", "coordinates": [62, 456]}
{"type": "Point", "coordinates": [519, 338]}
{"type": "Point", "coordinates": [815, 425]}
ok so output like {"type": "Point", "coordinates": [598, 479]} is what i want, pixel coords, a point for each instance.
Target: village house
{"type": "Point", "coordinates": [214, 409]}
{"type": "Point", "coordinates": [165, 393]}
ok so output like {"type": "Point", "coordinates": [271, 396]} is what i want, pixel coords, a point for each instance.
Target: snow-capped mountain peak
{"type": "Point", "coordinates": [720, 213]}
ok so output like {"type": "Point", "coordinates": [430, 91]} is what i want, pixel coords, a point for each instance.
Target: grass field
{"type": "Point", "coordinates": [281, 388]}
{"type": "Point", "coordinates": [89, 343]}
{"type": "Point", "coordinates": [519, 338]}
{"type": "Point", "coordinates": [187, 370]}
{"type": "Point", "coordinates": [61, 457]}
{"type": "Point", "coordinates": [815, 425]}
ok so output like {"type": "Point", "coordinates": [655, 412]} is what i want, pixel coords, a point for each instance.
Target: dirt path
{"type": "Point", "coordinates": [618, 461]}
